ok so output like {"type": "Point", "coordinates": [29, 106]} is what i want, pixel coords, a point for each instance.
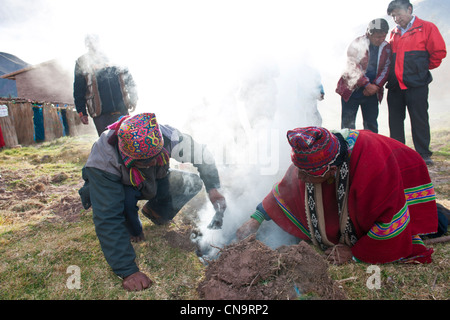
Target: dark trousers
{"type": "Point", "coordinates": [173, 192]}
{"type": "Point", "coordinates": [416, 100]}
{"type": "Point", "coordinates": [104, 120]}
{"type": "Point", "coordinates": [369, 110]}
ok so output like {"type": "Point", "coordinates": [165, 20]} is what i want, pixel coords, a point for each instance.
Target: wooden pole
{"type": "Point", "coordinates": [437, 240]}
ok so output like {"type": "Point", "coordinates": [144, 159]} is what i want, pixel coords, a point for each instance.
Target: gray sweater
{"type": "Point", "coordinates": [106, 176]}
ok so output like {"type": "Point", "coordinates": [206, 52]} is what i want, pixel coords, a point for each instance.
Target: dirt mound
{"type": "Point", "coordinates": [250, 270]}
{"type": "Point", "coordinates": [180, 239]}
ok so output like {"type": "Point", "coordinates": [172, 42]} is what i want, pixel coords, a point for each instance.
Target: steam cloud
{"type": "Point", "coordinates": [236, 75]}
{"type": "Point", "coordinates": [250, 145]}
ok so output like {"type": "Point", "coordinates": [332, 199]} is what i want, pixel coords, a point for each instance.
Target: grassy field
{"type": "Point", "coordinates": [44, 232]}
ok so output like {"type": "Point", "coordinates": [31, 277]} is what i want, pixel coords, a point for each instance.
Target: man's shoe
{"type": "Point", "coordinates": [428, 161]}
{"type": "Point", "coordinates": [444, 211]}
{"type": "Point", "coordinates": [153, 216]}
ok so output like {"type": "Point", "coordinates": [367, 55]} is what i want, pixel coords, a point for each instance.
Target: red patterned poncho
{"type": "Point", "coordinates": [391, 202]}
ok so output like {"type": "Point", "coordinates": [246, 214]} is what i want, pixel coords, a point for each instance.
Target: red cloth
{"type": "Point", "coordinates": [2, 141]}
{"type": "Point", "coordinates": [344, 89]}
{"type": "Point", "coordinates": [384, 173]}
{"type": "Point", "coordinates": [313, 149]}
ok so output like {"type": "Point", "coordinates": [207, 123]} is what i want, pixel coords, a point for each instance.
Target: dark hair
{"type": "Point", "coordinates": [398, 4]}
{"type": "Point", "coordinates": [343, 151]}
{"type": "Point", "coordinates": [378, 25]}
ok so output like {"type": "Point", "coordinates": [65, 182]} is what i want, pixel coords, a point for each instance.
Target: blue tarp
{"type": "Point", "coordinates": [38, 121]}
{"type": "Point", "coordinates": [63, 119]}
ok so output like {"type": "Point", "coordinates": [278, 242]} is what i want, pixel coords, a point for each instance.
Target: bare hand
{"type": "Point", "coordinates": [138, 238]}
{"type": "Point", "coordinates": [84, 119]}
{"type": "Point", "coordinates": [248, 228]}
{"type": "Point", "coordinates": [217, 221]}
{"type": "Point", "coordinates": [136, 282]}
{"type": "Point", "coordinates": [339, 254]}
{"type": "Point", "coordinates": [370, 89]}
{"type": "Point", "coordinates": [217, 200]}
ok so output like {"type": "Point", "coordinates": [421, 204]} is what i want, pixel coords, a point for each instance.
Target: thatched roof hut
{"type": "Point", "coordinates": [47, 81]}
{"type": "Point", "coordinates": [25, 122]}
{"type": "Point", "coordinates": [45, 108]}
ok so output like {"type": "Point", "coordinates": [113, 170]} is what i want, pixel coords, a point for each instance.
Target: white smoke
{"type": "Point", "coordinates": [356, 52]}
{"type": "Point", "coordinates": [234, 74]}
{"type": "Point", "coordinates": [249, 144]}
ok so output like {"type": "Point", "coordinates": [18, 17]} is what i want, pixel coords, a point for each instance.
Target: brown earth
{"type": "Point", "coordinates": [250, 270]}
{"type": "Point", "coordinates": [180, 238]}
{"type": "Point", "coordinates": [39, 196]}
{"type": "Point", "coordinates": [244, 270]}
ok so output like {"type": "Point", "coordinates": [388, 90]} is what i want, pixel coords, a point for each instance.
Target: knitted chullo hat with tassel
{"type": "Point", "coordinates": [314, 149]}
{"type": "Point", "coordinates": [139, 138]}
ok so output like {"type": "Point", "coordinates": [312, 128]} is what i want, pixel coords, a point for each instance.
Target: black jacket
{"type": "Point", "coordinates": [110, 88]}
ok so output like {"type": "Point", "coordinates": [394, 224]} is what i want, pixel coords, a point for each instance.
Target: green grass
{"type": "Point", "coordinates": [398, 281]}
{"type": "Point", "coordinates": [37, 248]}
{"type": "Point", "coordinates": [36, 258]}
{"type": "Point", "coordinates": [38, 245]}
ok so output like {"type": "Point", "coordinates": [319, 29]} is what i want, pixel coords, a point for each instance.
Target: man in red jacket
{"type": "Point", "coordinates": [417, 47]}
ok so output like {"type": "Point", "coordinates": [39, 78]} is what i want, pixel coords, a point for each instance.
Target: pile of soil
{"type": "Point", "coordinates": [250, 270]}
{"type": "Point", "coordinates": [180, 239]}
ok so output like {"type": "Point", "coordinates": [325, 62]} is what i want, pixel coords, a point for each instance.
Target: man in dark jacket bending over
{"type": "Point", "coordinates": [130, 162]}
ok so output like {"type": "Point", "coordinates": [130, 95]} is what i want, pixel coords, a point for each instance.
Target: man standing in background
{"type": "Point", "coordinates": [417, 47]}
{"type": "Point", "coordinates": [367, 72]}
{"type": "Point", "coordinates": [105, 91]}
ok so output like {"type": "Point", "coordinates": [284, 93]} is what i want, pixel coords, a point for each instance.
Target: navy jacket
{"type": "Point", "coordinates": [110, 87]}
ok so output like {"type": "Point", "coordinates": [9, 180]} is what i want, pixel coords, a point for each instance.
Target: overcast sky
{"type": "Point", "coordinates": [183, 46]}
{"type": "Point", "coordinates": [38, 30]}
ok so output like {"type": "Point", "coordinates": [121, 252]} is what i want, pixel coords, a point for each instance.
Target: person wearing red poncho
{"type": "Point", "coordinates": [355, 194]}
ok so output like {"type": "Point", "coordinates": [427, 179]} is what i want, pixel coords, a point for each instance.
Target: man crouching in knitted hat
{"type": "Point", "coordinates": [354, 194]}
{"type": "Point", "coordinates": [130, 162]}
